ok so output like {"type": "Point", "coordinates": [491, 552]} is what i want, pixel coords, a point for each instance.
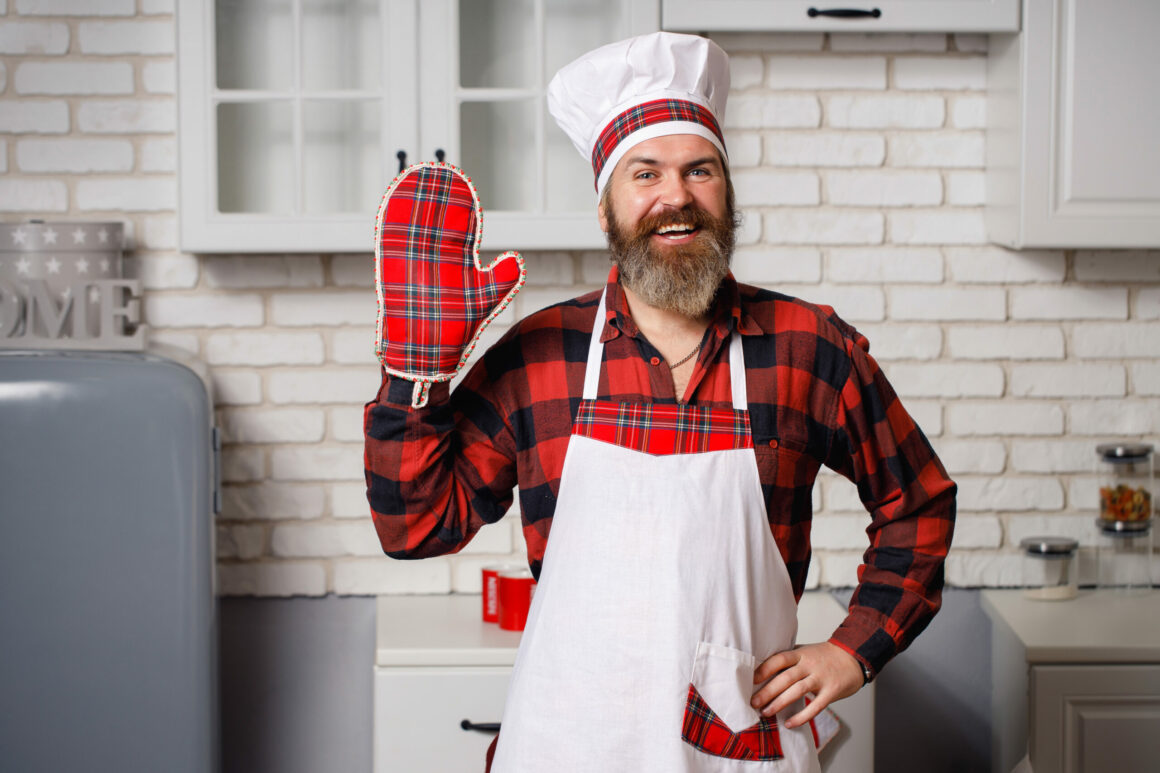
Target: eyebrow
{"type": "Point", "coordinates": [706, 161]}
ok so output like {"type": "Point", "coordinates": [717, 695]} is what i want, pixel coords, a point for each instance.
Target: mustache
{"type": "Point", "coordinates": [691, 216]}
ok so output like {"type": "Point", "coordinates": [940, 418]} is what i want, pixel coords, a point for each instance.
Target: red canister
{"type": "Point", "coordinates": [515, 597]}
{"type": "Point", "coordinates": [491, 589]}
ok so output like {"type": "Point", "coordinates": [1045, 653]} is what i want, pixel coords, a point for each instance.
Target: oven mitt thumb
{"type": "Point", "coordinates": [435, 297]}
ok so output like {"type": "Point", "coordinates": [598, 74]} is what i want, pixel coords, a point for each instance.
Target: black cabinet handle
{"type": "Point", "coordinates": [439, 154]}
{"type": "Point", "coordinates": [845, 13]}
{"type": "Point", "coordinates": [481, 727]}
{"type": "Point", "coordinates": [402, 156]}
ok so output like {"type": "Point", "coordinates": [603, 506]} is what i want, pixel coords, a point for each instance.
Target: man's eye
{"type": "Point", "coordinates": [699, 172]}
{"type": "Point", "coordinates": [645, 175]}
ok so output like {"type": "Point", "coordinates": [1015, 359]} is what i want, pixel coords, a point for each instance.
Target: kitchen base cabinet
{"type": "Point", "coordinates": [1075, 684]}
{"type": "Point", "coordinates": [437, 664]}
{"type": "Point", "coordinates": [418, 716]}
{"type": "Point", "coordinates": [1096, 718]}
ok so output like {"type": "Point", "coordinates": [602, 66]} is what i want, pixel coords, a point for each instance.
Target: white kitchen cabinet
{"type": "Point", "coordinates": [860, 16]}
{"type": "Point", "coordinates": [1075, 684]}
{"type": "Point", "coordinates": [1072, 115]}
{"type": "Point", "coordinates": [293, 113]}
{"type": "Point", "coordinates": [437, 664]}
{"type": "Point", "coordinates": [419, 714]}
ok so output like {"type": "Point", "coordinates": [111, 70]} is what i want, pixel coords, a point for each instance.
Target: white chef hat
{"type": "Point", "coordinates": [649, 86]}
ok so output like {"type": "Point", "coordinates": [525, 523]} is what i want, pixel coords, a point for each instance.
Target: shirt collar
{"type": "Point", "coordinates": [728, 312]}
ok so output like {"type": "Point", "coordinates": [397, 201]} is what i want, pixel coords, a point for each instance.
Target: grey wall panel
{"type": "Point", "coordinates": [297, 689]}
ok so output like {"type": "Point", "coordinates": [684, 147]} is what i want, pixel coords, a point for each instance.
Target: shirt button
{"type": "Point", "coordinates": [655, 360]}
{"type": "Point", "coordinates": [773, 443]}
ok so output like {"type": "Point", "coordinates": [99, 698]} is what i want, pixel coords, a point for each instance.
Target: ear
{"type": "Point", "coordinates": [601, 215]}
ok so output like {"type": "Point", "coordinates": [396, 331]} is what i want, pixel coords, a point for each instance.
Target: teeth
{"type": "Point", "coordinates": [670, 228]}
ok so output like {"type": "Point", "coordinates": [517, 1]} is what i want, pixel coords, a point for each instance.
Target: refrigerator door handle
{"type": "Point", "coordinates": [217, 471]}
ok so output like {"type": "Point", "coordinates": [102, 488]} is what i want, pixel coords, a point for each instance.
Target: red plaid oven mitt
{"type": "Point", "coordinates": [435, 297]}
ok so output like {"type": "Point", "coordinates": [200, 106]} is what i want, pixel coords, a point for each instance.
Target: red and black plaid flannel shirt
{"type": "Point", "coordinates": [435, 476]}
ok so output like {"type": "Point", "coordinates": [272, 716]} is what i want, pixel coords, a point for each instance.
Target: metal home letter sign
{"type": "Point", "coordinates": [61, 288]}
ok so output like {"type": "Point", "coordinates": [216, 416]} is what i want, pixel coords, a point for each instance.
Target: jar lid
{"type": "Point", "coordinates": [1124, 452]}
{"type": "Point", "coordinates": [1114, 528]}
{"type": "Point", "coordinates": [1049, 546]}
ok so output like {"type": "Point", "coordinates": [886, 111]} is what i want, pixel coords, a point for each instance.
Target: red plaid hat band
{"type": "Point", "coordinates": [647, 120]}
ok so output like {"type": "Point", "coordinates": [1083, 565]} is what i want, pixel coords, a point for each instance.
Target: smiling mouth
{"type": "Point", "coordinates": [676, 231]}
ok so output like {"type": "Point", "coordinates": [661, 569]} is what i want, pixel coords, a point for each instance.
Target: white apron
{"type": "Point", "coordinates": [661, 592]}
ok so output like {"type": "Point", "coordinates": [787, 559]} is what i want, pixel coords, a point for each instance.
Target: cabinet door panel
{"type": "Point", "coordinates": [341, 48]}
{"type": "Point", "coordinates": [249, 44]}
{"type": "Point", "coordinates": [255, 157]}
{"type": "Point", "coordinates": [497, 44]}
{"type": "Point", "coordinates": [341, 158]}
{"type": "Point", "coordinates": [1090, 719]}
{"type": "Point", "coordinates": [418, 712]}
{"type": "Point", "coordinates": [1071, 114]}
{"type": "Point", "coordinates": [1107, 65]}
{"type": "Point", "coordinates": [495, 144]}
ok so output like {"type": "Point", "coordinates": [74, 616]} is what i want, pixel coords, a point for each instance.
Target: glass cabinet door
{"type": "Point", "coordinates": [298, 106]}
{"type": "Point", "coordinates": [288, 109]}
{"type": "Point", "coordinates": [293, 114]}
{"type": "Point", "coordinates": [536, 190]}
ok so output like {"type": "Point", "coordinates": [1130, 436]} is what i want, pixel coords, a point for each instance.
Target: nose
{"type": "Point", "coordinates": [675, 192]}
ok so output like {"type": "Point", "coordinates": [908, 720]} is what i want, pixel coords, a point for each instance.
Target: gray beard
{"type": "Point", "coordinates": [682, 279]}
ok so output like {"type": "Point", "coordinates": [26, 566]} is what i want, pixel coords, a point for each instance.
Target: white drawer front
{"type": "Point", "coordinates": [418, 712]}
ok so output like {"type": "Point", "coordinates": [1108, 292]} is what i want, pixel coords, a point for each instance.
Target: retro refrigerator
{"type": "Point", "coordinates": [108, 627]}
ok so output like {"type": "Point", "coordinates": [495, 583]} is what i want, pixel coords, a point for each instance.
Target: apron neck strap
{"type": "Point", "coordinates": [596, 357]}
{"type": "Point", "coordinates": [737, 373]}
{"type": "Point", "coordinates": [595, 352]}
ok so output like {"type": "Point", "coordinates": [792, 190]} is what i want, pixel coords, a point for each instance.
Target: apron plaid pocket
{"type": "Point", "coordinates": [718, 702]}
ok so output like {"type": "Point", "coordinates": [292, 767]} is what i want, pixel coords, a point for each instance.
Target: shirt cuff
{"type": "Point", "coordinates": [867, 642]}
{"type": "Point", "coordinates": [396, 392]}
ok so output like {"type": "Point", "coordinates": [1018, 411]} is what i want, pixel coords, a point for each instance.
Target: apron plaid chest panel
{"type": "Point", "coordinates": [663, 430]}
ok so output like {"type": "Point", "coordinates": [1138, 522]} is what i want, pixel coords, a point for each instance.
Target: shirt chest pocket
{"type": "Point", "coordinates": [784, 463]}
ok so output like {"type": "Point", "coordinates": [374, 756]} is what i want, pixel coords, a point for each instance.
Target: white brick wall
{"type": "Point", "coordinates": [33, 117]}
{"type": "Point", "coordinates": [73, 78]}
{"type": "Point", "coordinates": [25, 37]}
{"type": "Point", "coordinates": [128, 117]}
{"type": "Point", "coordinates": [809, 73]}
{"type": "Point", "coordinates": [895, 111]}
{"type": "Point", "coordinates": [766, 112]}
{"type": "Point", "coordinates": [75, 7]}
{"type": "Point", "coordinates": [79, 156]}
{"type": "Point", "coordinates": [126, 37]}
{"type": "Point", "coordinates": [824, 149]}
{"type": "Point", "coordinates": [858, 160]}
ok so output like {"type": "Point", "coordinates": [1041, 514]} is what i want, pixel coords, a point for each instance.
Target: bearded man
{"type": "Point", "coordinates": [666, 432]}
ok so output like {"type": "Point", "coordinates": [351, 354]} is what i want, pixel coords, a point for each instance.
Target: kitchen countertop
{"type": "Point", "coordinates": [1094, 627]}
{"type": "Point", "coordinates": [447, 630]}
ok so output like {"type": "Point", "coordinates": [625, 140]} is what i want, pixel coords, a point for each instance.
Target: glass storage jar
{"type": "Point", "coordinates": [1125, 556]}
{"type": "Point", "coordinates": [1125, 471]}
{"type": "Point", "coordinates": [1049, 568]}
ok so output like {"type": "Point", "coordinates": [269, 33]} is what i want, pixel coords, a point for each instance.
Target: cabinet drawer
{"type": "Point", "coordinates": [418, 712]}
{"type": "Point", "coordinates": [876, 16]}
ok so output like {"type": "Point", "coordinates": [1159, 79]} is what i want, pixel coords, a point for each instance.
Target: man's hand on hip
{"type": "Point", "coordinates": [824, 669]}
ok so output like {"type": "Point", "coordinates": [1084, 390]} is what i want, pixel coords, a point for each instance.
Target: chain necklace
{"type": "Point", "coordinates": [686, 358]}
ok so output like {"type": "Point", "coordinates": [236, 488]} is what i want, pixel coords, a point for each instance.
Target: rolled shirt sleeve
{"type": "Point", "coordinates": [911, 502]}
